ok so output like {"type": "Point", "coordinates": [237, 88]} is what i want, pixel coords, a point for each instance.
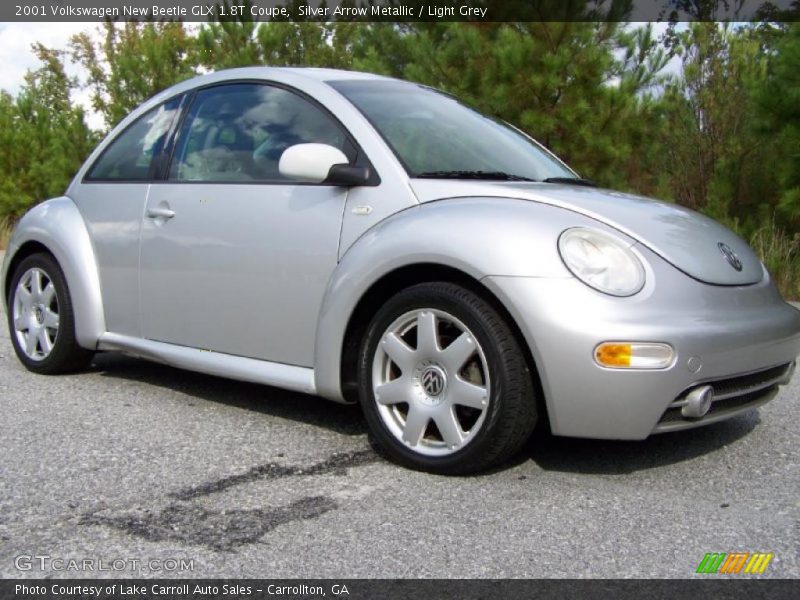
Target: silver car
{"type": "Point", "coordinates": [376, 241]}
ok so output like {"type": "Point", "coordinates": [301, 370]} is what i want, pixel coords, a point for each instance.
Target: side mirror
{"type": "Point", "coordinates": [318, 163]}
{"type": "Point", "coordinates": [347, 175]}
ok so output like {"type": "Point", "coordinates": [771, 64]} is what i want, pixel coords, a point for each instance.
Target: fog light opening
{"type": "Point", "coordinates": [698, 402]}
{"type": "Point", "coordinates": [634, 355]}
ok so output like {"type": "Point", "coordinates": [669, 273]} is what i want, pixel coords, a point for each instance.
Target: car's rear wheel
{"type": "Point", "coordinates": [443, 382]}
{"type": "Point", "coordinates": [40, 318]}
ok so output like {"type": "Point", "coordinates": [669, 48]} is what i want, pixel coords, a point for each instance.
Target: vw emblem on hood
{"type": "Point", "coordinates": [433, 380]}
{"type": "Point", "coordinates": [730, 256]}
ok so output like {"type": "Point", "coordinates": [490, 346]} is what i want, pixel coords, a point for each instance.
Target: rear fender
{"type": "Point", "coordinates": [57, 225]}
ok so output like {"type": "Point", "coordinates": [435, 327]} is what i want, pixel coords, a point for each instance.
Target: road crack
{"type": "Point", "coordinates": [336, 464]}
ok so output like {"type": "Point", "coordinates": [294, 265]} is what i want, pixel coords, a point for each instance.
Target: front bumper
{"type": "Point", "coordinates": [735, 338]}
{"type": "Point", "coordinates": [732, 396]}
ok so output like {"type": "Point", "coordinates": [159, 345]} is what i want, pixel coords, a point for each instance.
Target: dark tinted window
{"type": "Point", "coordinates": [239, 132]}
{"type": "Point", "coordinates": [130, 156]}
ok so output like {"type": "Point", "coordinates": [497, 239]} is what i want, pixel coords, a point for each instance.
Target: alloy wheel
{"type": "Point", "coordinates": [431, 382]}
{"type": "Point", "coordinates": [36, 314]}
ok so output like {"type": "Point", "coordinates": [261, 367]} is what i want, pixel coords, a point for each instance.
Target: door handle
{"type": "Point", "coordinates": [160, 212]}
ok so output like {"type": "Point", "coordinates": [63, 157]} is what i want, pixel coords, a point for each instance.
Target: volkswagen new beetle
{"type": "Point", "coordinates": [376, 241]}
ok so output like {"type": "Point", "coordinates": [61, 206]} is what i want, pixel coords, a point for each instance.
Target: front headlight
{"type": "Point", "coordinates": [601, 261]}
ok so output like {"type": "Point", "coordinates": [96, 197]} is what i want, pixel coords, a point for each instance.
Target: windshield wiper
{"type": "Point", "coordinates": [487, 175]}
{"type": "Point", "coordinates": [571, 181]}
{"type": "Point", "coordinates": [501, 176]}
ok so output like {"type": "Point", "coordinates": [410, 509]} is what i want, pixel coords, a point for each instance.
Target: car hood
{"type": "Point", "coordinates": [686, 239]}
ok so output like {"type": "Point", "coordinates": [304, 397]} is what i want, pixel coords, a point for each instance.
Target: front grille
{"type": "Point", "coordinates": [731, 395]}
{"type": "Point", "coordinates": [736, 386]}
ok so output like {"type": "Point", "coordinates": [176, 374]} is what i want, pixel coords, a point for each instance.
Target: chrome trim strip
{"type": "Point", "coordinates": [298, 379]}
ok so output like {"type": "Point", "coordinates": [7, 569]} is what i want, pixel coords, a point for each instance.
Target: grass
{"type": "Point", "coordinates": [5, 235]}
{"type": "Point", "coordinates": [781, 253]}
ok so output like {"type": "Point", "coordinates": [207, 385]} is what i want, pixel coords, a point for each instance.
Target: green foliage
{"type": "Point", "coordinates": [714, 154]}
{"type": "Point", "coordinates": [43, 137]}
{"type": "Point", "coordinates": [781, 254]}
{"type": "Point", "coordinates": [292, 44]}
{"type": "Point", "coordinates": [778, 100]}
{"type": "Point", "coordinates": [5, 234]}
{"type": "Point", "coordinates": [133, 62]}
{"type": "Point", "coordinates": [228, 42]}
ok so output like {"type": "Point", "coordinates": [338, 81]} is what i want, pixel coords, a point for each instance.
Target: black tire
{"type": "Point", "coordinates": [511, 413]}
{"type": "Point", "coordinates": [66, 355]}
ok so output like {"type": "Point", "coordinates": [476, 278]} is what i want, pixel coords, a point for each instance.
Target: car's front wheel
{"type": "Point", "coordinates": [41, 320]}
{"type": "Point", "coordinates": [443, 382]}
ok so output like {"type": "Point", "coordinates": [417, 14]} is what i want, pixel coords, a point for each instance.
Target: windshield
{"type": "Point", "coordinates": [434, 135]}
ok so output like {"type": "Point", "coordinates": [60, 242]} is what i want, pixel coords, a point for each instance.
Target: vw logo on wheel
{"type": "Point", "coordinates": [730, 256]}
{"type": "Point", "coordinates": [433, 380]}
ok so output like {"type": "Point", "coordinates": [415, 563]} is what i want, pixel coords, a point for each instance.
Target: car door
{"type": "Point", "coordinates": [111, 199]}
{"type": "Point", "coordinates": [235, 258]}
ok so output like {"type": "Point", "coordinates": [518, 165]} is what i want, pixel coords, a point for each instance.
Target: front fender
{"type": "Point", "coordinates": [480, 237]}
{"type": "Point", "coordinates": [58, 226]}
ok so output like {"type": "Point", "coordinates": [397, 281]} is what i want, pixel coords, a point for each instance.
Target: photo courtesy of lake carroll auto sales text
{"type": "Point", "coordinates": [179, 590]}
{"type": "Point", "coordinates": [399, 299]}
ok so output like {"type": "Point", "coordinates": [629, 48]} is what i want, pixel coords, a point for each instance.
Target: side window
{"type": "Point", "coordinates": [239, 132]}
{"type": "Point", "coordinates": [130, 156]}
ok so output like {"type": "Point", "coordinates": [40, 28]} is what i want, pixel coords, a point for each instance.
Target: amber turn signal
{"type": "Point", "coordinates": [634, 355]}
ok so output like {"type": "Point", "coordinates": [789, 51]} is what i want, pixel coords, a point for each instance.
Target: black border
{"type": "Point", "coordinates": [742, 587]}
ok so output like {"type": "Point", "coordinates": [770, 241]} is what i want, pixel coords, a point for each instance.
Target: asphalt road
{"type": "Point", "coordinates": [139, 462]}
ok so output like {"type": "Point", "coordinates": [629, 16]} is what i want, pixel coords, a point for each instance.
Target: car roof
{"type": "Point", "coordinates": [328, 74]}
{"type": "Point", "coordinates": [311, 75]}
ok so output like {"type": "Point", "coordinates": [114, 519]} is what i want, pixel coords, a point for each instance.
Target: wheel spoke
{"type": "Point", "coordinates": [44, 341]}
{"type": "Point", "coordinates": [48, 293]}
{"type": "Point", "coordinates": [51, 319]}
{"type": "Point", "coordinates": [21, 323]}
{"type": "Point", "coordinates": [427, 335]}
{"type": "Point", "coordinates": [400, 352]}
{"type": "Point", "coordinates": [457, 353]}
{"type": "Point", "coordinates": [30, 343]}
{"type": "Point", "coordinates": [449, 427]}
{"type": "Point", "coordinates": [24, 297]}
{"type": "Point", "coordinates": [468, 394]}
{"type": "Point", "coordinates": [393, 392]}
{"type": "Point", "coordinates": [416, 423]}
{"type": "Point", "coordinates": [36, 283]}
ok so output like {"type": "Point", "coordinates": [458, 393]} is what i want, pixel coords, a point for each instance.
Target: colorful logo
{"type": "Point", "coordinates": [737, 562]}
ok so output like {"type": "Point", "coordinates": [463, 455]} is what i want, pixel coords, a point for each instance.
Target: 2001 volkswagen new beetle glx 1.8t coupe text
{"type": "Point", "coordinates": [376, 241]}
